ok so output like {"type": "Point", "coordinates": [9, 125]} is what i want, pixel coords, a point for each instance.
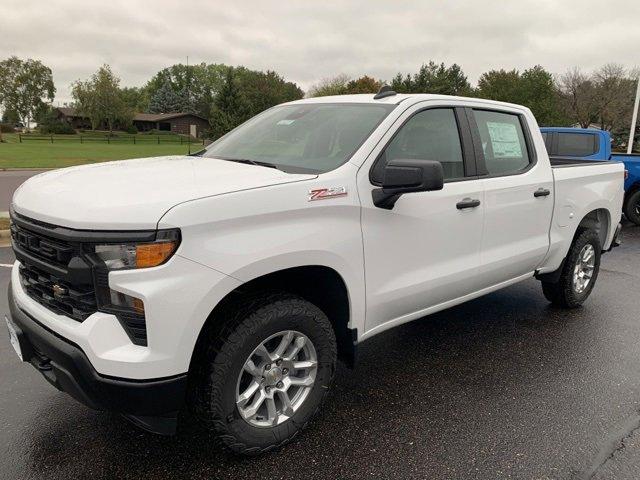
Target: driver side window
{"type": "Point", "coordinates": [428, 135]}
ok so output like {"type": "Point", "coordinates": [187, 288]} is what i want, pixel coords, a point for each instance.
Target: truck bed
{"type": "Point", "coordinates": [579, 191]}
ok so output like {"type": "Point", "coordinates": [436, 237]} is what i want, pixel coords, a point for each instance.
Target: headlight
{"type": "Point", "coordinates": [139, 255]}
{"type": "Point", "coordinates": [150, 251]}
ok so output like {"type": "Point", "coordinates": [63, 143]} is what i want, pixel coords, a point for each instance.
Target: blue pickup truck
{"type": "Point", "coordinates": [591, 144]}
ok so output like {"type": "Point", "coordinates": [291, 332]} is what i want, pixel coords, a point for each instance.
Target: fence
{"type": "Point", "coordinates": [134, 139]}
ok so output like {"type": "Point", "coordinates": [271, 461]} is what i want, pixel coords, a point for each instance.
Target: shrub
{"type": "Point", "coordinates": [131, 129]}
{"type": "Point", "coordinates": [56, 127]}
{"type": "Point", "coordinates": [7, 128]}
{"type": "Point", "coordinates": [49, 123]}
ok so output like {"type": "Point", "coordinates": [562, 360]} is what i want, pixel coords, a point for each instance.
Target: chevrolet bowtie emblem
{"type": "Point", "coordinates": [58, 291]}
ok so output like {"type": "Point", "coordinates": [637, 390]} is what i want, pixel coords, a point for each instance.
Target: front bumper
{"type": "Point", "coordinates": [151, 404]}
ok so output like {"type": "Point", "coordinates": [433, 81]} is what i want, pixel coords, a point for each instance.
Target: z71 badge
{"type": "Point", "coordinates": [326, 193]}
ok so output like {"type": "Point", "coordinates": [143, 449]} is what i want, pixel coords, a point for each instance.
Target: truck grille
{"type": "Point", "coordinates": [53, 273]}
{"type": "Point", "coordinates": [56, 295]}
{"type": "Point", "coordinates": [59, 270]}
{"type": "Point", "coordinates": [47, 249]}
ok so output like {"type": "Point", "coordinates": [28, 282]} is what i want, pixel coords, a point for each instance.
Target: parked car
{"type": "Point", "coordinates": [231, 282]}
{"type": "Point", "coordinates": [590, 144]}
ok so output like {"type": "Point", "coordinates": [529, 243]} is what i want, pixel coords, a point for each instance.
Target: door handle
{"type": "Point", "coordinates": [467, 203]}
{"type": "Point", "coordinates": [541, 192]}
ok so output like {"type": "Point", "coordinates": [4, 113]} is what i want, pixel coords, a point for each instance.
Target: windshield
{"type": "Point", "coordinates": [307, 138]}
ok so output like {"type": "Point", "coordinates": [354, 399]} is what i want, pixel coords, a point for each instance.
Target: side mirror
{"type": "Point", "coordinates": [406, 176]}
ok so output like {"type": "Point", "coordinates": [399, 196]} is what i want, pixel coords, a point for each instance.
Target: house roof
{"type": "Point", "coordinates": [140, 117]}
{"type": "Point", "coordinates": [67, 112]}
{"type": "Point", "coordinates": [158, 117]}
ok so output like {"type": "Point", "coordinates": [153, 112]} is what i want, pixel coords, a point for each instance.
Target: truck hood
{"type": "Point", "coordinates": [134, 194]}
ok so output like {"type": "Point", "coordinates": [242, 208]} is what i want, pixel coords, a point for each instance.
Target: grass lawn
{"type": "Point", "coordinates": [36, 154]}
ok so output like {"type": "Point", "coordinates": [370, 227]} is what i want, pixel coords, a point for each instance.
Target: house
{"type": "Point", "coordinates": [166, 122]}
{"type": "Point", "coordinates": [171, 122]}
{"type": "Point", "coordinates": [70, 116]}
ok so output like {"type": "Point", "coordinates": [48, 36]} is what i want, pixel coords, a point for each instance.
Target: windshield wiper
{"type": "Point", "coordinates": [249, 162]}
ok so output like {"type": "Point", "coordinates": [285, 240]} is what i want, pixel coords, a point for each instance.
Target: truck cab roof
{"type": "Point", "coordinates": [400, 98]}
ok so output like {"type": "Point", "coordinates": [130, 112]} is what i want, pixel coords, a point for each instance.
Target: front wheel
{"type": "Point", "coordinates": [266, 374]}
{"type": "Point", "coordinates": [579, 272]}
{"type": "Point", "coordinates": [632, 207]}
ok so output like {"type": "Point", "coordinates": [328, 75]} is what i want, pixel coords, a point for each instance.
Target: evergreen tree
{"type": "Point", "coordinates": [230, 107]}
{"type": "Point", "coordinates": [433, 78]}
{"type": "Point", "coordinates": [166, 100]}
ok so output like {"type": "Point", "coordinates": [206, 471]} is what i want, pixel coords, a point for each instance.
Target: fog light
{"type": "Point", "coordinates": [123, 300]}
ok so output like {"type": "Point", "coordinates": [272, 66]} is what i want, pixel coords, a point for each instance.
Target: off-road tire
{"type": "Point", "coordinates": [562, 293]}
{"type": "Point", "coordinates": [223, 353]}
{"type": "Point", "coordinates": [632, 207]}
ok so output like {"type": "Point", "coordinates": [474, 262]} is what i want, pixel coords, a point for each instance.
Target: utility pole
{"type": "Point", "coordinates": [188, 104]}
{"type": "Point", "coordinates": [634, 119]}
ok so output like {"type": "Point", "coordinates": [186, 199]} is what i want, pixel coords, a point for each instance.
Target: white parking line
{"type": "Point", "coordinates": [6, 265]}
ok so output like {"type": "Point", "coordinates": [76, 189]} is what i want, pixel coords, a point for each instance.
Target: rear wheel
{"type": "Point", "coordinates": [632, 207]}
{"type": "Point", "coordinates": [579, 272]}
{"type": "Point", "coordinates": [266, 374]}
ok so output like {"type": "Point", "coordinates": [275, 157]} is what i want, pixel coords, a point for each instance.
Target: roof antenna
{"type": "Point", "coordinates": [385, 91]}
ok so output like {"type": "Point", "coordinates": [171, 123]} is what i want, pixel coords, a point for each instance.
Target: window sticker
{"type": "Point", "coordinates": [504, 140]}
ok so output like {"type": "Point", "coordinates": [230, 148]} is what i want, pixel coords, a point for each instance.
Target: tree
{"type": "Point", "coordinates": [195, 85]}
{"type": "Point", "coordinates": [542, 97]}
{"type": "Point", "coordinates": [263, 90]}
{"type": "Point", "coordinates": [10, 116]}
{"type": "Point", "coordinates": [166, 100]}
{"type": "Point", "coordinates": [433, 78]}
{"type": "Point", "coordinates": [500, 85]}
{"type": "Point", "coordinates": [230, 107]}
{"type": "Point", "coordinates": [578, 96]}
{"type": "Point", "coordinates": [364, 84]}
{"type": "Point", "coordinates": [604, 97]}
{"type": "Point", "coordinates": [137, 99]}
{"type": "Point", "coordinates": [25, 85]}
{"type": "Point", "coordinates": [615, 92]}
{"type": "Point", "coordinates": [330, 86]}
{"type": "Point", "coordinates": [101, 99]}
{"type": "Point", "coordinates": [195, 88]}
{"type": "Point", "coordinates": [534, 88]}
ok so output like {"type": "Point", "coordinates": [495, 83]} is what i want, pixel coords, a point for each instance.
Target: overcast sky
{"type": "Point", "coordinates": [309, 40]}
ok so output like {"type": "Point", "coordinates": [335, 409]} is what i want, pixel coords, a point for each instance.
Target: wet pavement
{"type": "Point", "coordinates": [504, 386]}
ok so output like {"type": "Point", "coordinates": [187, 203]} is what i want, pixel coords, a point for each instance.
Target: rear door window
{"type": "Point", "coordinates": [576, 144]}
{"type": "Point", "coordinates": [503, 143]}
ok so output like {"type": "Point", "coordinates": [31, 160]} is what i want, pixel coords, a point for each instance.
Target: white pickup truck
{"type": "Point", "coordinates": [228, 283]}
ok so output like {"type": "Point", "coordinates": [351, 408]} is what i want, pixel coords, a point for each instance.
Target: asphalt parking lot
{"type": "Point", "coordinates": [502, 387]}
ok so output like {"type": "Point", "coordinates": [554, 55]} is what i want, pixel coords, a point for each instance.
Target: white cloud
{"type": "Point", "coordinates": [306, 41]}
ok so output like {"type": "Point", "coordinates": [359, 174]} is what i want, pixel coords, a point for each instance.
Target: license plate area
{"type": "Point", "coordinates": [13, 338]}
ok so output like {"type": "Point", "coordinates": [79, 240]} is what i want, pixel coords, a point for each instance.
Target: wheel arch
{"type": "Point", "coordinates": [319, 284]}
{"type": "Point", "coordinates": [598, 220]}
